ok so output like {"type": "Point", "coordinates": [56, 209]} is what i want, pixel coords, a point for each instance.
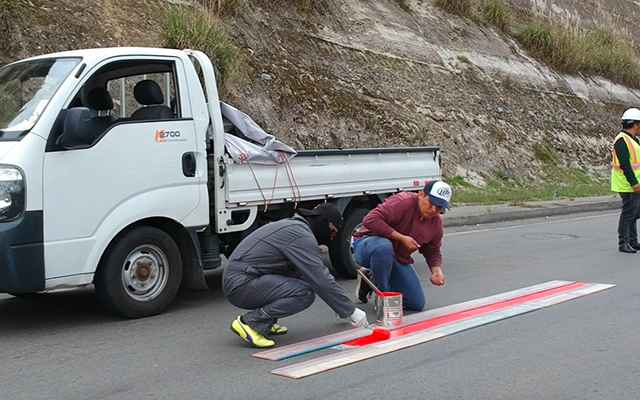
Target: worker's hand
{"type": "Point", "coordinates": [437, 277]}
{"type": "Point", "coordinates": [358, 318]}
{"type": "Point", "coordinates": [636, 188]}
{"type": "Point", "coordinates": [410, 243]}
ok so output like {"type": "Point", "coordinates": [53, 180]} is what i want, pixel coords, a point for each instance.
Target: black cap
{"type": "Point", "coordinates": [327, 211]}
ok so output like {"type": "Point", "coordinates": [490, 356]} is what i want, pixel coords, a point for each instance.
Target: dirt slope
{"type": "Point", "coordinates": [365, 73]}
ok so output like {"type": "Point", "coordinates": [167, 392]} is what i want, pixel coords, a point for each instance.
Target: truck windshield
{"type": "Point", "coordinates": [25, 91]}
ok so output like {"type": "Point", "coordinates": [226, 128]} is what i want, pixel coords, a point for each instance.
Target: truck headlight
{"type": "Point", "coordinates": [11, 193]}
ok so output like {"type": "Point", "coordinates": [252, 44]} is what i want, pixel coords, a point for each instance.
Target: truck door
{"type": "Point", "coordinates": [205, 70]}
{"type": "Point", "coordinates": [138, 163]}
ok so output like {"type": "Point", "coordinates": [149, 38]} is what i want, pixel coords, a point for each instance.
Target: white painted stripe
{"type": "Point", "coordinates": [573, 294]}
{"type": "Point", "coordinates": [469, 305]}
{"type": "Point", "coordinates": [335, 339]}
{"type": "Point", "coordinates": [308, 346]}
{"type": "Point", "coordinates": [347, 357]}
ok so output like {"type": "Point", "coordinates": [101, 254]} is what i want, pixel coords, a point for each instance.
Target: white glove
{"type": "Point", "coordinates": [358, 318]}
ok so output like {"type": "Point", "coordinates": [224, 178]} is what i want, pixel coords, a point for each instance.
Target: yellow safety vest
{"type": "Point", "coordinates": [619, 182]}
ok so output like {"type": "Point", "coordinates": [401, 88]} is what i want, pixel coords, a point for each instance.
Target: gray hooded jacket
{"type": "Point", "coordinates": [288, 247]}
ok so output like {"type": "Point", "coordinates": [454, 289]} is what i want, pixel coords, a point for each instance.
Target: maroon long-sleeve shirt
{"type": "Point", "coordinates": [401, 213]}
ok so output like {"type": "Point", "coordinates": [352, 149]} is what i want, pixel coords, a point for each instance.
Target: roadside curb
{"type": "Point", "coordinates": [523, 213]}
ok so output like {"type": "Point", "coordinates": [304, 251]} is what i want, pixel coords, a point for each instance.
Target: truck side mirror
{"type": "Point", "coordinates": [78, 129]}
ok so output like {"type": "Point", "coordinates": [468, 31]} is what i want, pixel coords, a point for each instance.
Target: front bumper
{"type": "Point", "coordinates": [22, 254]}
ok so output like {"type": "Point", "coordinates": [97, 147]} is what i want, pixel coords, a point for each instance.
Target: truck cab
{"type": "Point", "coordinates": [96, 144]}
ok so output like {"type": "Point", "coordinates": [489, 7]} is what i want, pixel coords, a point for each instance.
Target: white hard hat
{"type": "Point", "coordinates": [632, 114]}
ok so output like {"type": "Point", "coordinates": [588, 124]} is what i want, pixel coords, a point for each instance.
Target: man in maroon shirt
{"type": "Point", "coordinates": [391, 232]}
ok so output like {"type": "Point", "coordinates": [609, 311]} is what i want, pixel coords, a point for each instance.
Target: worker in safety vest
{"type": "Point", "coordinates": [625, 174]}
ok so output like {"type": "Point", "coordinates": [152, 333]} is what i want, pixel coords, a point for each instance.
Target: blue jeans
{"type": "Point", "coordinates": [389, 275]}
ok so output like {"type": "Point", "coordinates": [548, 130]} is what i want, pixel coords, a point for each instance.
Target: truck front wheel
{"type": "Point", "coordinates": [140, 274]}
{"type": "Point", "coordinates": [341, 248]}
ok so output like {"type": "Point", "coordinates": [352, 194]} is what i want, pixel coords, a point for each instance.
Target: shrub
{"type": "Point", "coordinates": [458, 7]}
{"type": "Point", "coordinates": [600, 52]}
{"type": "Point", "coordinates": [404, 5]}
{"type": "Point", "coordinates": [567, 49]}
{"type": "Point", "coordinates": [498, 13]}
{"type": "Point", "coordinates": [544, 151]}
{"type": "Point", "coordinates": [551, 43]}
{"type": "Point", "coordinates": [607, 54]}
{"type": "Point", "coordinates": [187, 27]}
{"type": "Point", "coordinates": [223, 7]}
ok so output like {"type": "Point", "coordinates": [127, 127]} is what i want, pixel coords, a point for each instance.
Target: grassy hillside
{"type": "Point", "coordinates": [351, 73]}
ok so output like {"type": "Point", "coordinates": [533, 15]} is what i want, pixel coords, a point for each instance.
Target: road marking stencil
{"type": "Point", "coordinates": [324, 342]}
{"type": "Point", "coordinates": [427, 326]}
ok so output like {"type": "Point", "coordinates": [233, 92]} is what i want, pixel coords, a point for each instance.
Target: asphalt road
{"type": "Point", "coordinates": [64, 346]}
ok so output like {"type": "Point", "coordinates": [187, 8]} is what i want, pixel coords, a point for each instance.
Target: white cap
{"type": "Point", "coordinates": [439, 193]}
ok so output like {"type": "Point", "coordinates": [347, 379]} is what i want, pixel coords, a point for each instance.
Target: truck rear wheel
{"type": "Point", "coordinates": [140, 274]}
{"type": "Point", "coordinates": [341, 248]}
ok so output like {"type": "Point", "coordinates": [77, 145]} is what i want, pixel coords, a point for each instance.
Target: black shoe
{"type": "Point", "coordinates": [362, 288]}
{"type": "Point", "coordinates": [626, 248]}
{"type": "Point", "coordinates": [636, 245]}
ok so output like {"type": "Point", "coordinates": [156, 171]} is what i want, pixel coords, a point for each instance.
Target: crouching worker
{"type": "Point", "coordinates": [391, 232]}
{"type": "Point", "coordinates": [277, 271]}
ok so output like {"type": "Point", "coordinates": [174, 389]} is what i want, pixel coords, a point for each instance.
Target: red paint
{"type": "Point", "coordinates": [455, 317]}
{"type": "Point", "coordinates": [381, 334]}
{"type": "Point", "coordinates": [377, 335]}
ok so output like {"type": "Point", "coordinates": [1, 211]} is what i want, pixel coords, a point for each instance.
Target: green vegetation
{"type": "Point", "coordinates": [302, 6]}
{"type": "Point", "coordinates": [601, 52]}
{"type": "Point", "coordinates": [458, 7]}
{"type": "Point", "coordinates": [404, 5]}
{"type": "Point", "coordinates": [553, 182]}
{"type": "Point", "coordinates": [223, 7]}
{"type": "Point", "coordinates": [498, 13]}
{"type": "Point", "coordinates": [511, 189]}
{"type": "Point", "coordinates": [6, 6]}
{"type": "Point", "coordinates": [200, 28]}
{"type": "Point", "coordinates": [543, 151]}
{"type": "Point", "coordinates": [306, 4]}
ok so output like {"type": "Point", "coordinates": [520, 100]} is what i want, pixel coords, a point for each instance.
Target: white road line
{"type": "Point", "coordinates": [324, 342]}
{"type": "Point", "coordinates": [501, 228]}
{"type": "Point", "coordinates": [326, 363]}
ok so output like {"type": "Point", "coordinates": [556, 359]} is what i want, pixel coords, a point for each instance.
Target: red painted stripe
{"type": "Point", "coordinates": [474, 312]}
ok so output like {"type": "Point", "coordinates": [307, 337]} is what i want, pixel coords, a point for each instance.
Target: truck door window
{"type": "Point", "coordinates": [198, 68]}
{"type": "Point", "coordinates": [125, 91]}
{"type": "Point", "coordinates": [125, 102]}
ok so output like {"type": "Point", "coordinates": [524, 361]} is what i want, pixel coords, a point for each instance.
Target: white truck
{"type": "Point", "coordinates": [138, 197]}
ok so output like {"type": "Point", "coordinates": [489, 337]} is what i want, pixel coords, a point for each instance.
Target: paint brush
{"type": "Point", "coordinates": [363, 276]}
{"type": "Point", "coordinates": [380, 334]}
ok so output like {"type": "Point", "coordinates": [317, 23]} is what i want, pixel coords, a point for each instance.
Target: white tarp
{"type": "Point", "coordinates": [259, 148]}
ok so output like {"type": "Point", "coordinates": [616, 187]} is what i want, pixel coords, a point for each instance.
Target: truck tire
{"type": "Point", "coordinates": [140, 274]}
{"type": "Point", "coordinates": [341, 250]}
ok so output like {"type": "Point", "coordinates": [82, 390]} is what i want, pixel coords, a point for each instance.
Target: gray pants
{"type": "Point", "coordinates": [629, 213]}
{"type": "Point", "coordinates": [268, 296]}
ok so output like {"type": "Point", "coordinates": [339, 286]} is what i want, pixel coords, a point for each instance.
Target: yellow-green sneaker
{"type": "Point", "coordinates": [278, 330]}
{"type": "Point", "coordinates": [249, 335]}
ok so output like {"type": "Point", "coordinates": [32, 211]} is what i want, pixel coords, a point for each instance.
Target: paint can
{"type": "Point", "coordinates": [389, 308]}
